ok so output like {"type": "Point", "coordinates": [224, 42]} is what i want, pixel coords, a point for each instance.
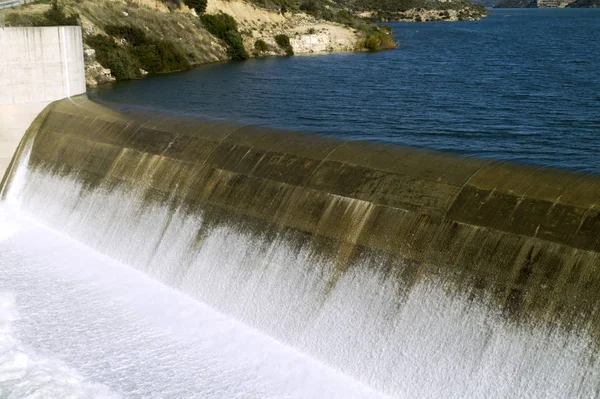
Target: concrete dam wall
{"type": "Point", "coordinates": [40, 64]}
{"type": "Point", "coordinates": [37, 66]}
{"type": "Point", "coordinates": [459, 274]}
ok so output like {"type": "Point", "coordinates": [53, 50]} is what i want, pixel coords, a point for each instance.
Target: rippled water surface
{"type": "Point", "coordinates": [521, 85]}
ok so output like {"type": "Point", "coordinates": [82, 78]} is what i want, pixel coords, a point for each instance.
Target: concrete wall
{"type": "Point", "coordinates": [14, 3]}
{"type": "Point", "coordinates": [40, 64]}
{"type": "Point", "coordinates": [527, 236]}
{"type": "Point", "coordinates": [37, 66]}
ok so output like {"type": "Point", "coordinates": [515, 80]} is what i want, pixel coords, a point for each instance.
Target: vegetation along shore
{"type": "Point", "coordinates": [128, 39]}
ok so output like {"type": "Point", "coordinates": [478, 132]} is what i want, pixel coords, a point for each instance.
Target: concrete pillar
{"type": "Point", "coordinates": [37, 66]}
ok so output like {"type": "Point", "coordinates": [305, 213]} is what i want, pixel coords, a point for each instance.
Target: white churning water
{"type": "Point", "coordinates": [126, 334]}
{"type": "Point", "coordinates": [64, 307]}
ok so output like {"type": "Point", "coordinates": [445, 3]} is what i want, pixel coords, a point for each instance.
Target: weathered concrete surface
{"type": "Point", "coordinates": [528, 237]}
{"type": "Point", "coordinates": [14, 122]}
{"type": "Point", "coordinates": [40, 64]}
{"type": "Point", "coordinates": [13, 3]}
{"type": "Point", "coordinates": [37, 66]}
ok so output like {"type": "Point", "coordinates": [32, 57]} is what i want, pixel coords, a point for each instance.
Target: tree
{"type": "Point", "coordinates": [198, 5]}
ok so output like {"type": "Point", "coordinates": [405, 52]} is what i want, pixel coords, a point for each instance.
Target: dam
{"type": "Point", "coordinates": [148, 254]}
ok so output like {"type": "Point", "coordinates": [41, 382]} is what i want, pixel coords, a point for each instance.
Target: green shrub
{"type": "Point", "coordinates": [310, 7]}
{"type": "Point", "coordinates": [235, 45]}
{"type": "Point", "coordinates": [133, 35]}
{"type": "Point", "coordinates": [261, 46]}
{"type": "Point", "coordinates": [153, 55]}
{"type": "Point", "coordinates": [371, 44]}
{"type": "Point", "coordinates": [161, 56]}
{"type": "Point", "coordinates": [219, 24]}
{"type": "Point", "coordinates": [283, 41]}
{"type": "Point", "coordinates": [378, 38]}
{"type": "Point", "coordinates": [225, 28]}
{"type": "Point", "coordinates": [22, 19]}
{"type": "Point", "coordinates": [327, 15]}
{"type": "Point", "coordinates": [56, 16]}
{"type": "Point", "coordinates": [198, 5]}
{"type": "Point", "coordinates": [122, 64]}
{"type": "Point", "coordinates": [140, 51]}
{"type": "Point", "coordinates": [344, 17]}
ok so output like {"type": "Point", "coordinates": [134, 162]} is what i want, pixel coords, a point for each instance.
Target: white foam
{"type": "Point", "coordinates": [135, 335]}
{"type": "Point", "coordinates": [416, 341]}
{"type": "Point", "coordinates": [24, 373]}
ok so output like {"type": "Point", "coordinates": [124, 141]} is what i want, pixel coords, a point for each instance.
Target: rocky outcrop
{"type": "Point", "coordinates": [308, 35]}
{"type": "Point", "coordinates": [95, 74]}
{"type": "Point", "coordinates": [421, 15]}
{"type": "Point", "coordinates": [548, 4]}
{"type": "Point", "coordinates": [585, 4]}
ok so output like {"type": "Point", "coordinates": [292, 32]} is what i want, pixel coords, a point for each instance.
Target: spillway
{"type": "Point", "coordinates": [390, 271]}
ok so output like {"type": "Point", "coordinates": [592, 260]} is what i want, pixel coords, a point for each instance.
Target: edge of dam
{"type": "Point", "coordinates": [529, 236]}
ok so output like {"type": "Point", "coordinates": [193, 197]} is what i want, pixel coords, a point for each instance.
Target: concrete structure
{"type": "Point", "coordinates": [528, 236]}
{"type": "Point", "coordinates": [14, 121]}
{"type": "Point", "coordinates": [14, 3]}
{"type": "Point", "coordinates": [40, 64]}
{"type": "Point", "coordinates": [37, 66]}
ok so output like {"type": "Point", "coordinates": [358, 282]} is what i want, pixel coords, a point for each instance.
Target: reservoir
{"type": "Point", "coordinates": [519, 85]}
{"type": "Point", "coordinates": [416, 223]}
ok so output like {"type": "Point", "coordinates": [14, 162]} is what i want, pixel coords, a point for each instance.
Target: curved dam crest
{"type": "Point", "coordinates": [399, 267]}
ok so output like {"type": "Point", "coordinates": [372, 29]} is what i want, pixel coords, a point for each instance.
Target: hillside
{"type": "Point", "coordinates": [127, 39]}
{"type": "Point", "coordinates": [345, 11]}
{"type": "Point", "coordinates": [585, 4]}
{"type": "Point", "coordinates": [548, 4]}
{"type": "Point", "coordinates": [516, 4]}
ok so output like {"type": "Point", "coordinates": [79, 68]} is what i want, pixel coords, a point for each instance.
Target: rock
{"type": "Point", "coordinates": [89, 55]}
{"type": "Point", "coordinates": [95, 74]}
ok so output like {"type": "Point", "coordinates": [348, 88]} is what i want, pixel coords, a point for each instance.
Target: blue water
{"type": "Point", "coordinates": [520, 85]}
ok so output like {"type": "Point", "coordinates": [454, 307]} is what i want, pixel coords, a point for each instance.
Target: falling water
{"type": "Point", "coordinates": [257, 312]}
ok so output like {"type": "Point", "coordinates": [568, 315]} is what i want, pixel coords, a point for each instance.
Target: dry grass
{"type": "Point", "coordinates": [181, 26]}
{"type": "Point", "coordinates": [24, 15]}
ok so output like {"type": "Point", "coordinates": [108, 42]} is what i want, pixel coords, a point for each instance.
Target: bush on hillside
{"type": "Point", "coordinates": [133, 35]}
{"type": "Point", "coordinates": [161, 56]}
{"type": "Point", "coordinates": [261, 46]}
{"type": "Point", "coordinates": [283, 41]}
{"type": "Point", "coordinates": [235, 45]}
{"type": "Point", "coordinates": [224, 27]}
{"type": "Point", "coordinates": [378, 38]}
{"type": "Point", "coordinates": [310, 7]}
{"type": "Point", "coordinates": [198, 5]}
{"type": "Point", "coordinates": [153, 55]}
{"type": "Point", "coordinates": [219, 24]}
{"type": "Point", "coordinates": [119, 60]}
{"type": "Point", "coordinates": [56, 16]}
{"type": "Point", "coordinates": [139, 51]}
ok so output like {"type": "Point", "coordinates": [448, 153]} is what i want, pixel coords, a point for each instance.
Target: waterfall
{"type": "Point", "coordinates": [401, 275]}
